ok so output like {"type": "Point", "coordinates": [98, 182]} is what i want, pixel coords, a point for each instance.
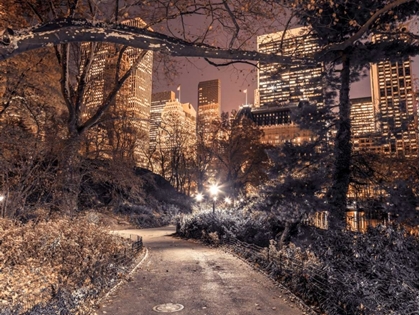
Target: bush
{"type": "Point", "coordinates": [145, 216]}
{"type": "Point", "coordinates": [371, 273]}
{"type": "Point", "coordinates": [57, 264]}
{"type": "Point", "coordinates": [341, 272]}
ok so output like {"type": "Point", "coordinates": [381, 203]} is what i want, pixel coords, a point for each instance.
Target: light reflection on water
{"type": "Point", "coordinates": [357, 221]}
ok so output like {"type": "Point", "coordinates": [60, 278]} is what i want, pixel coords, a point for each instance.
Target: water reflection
{"type": "Point", "coordinates": [356, 220]}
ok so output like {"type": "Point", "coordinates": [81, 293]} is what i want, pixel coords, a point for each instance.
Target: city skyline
{"type": "Point", "coordinates": [233, 82]}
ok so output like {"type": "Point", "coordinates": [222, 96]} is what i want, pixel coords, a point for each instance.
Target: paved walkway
{"type": "Point", "coordinates": [205, 281]}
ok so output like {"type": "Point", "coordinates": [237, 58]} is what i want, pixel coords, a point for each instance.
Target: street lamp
{"type": "Point", "coordinates": [199, 197]}
{"type": "Point", "coordinates": [214, 190]}
{"type": "Point", "coordinates": [228, 201]}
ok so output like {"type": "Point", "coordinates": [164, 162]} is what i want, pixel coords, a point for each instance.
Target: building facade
{"type": "Point", "coordinates": [366, 135]}
{"type": "Point", "coordinates": [171, 121]}
{"type": "Point", "coordinates": [282, 84]}
{"type": "Point", "coordinates": [275, 121]}
{"type": "Point", "coordinates": [394, 97]}
{"type": "Point", "coordinates": [129, 116]}
{"type": "Point", "coordinates": [282, 87]}
{"type": "Point", "coordinates": [159, 101]}
{"type": "Point", "coordinates": [209, 107]}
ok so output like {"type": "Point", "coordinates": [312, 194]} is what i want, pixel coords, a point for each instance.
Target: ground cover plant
{"type": "Point", "coordinates": [338, 272]}
{"type": "Point", "coordinates": [56, 266]}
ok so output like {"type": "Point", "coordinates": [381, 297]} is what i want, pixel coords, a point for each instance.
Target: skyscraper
{"type": "Point", "coordinates": [281, 88]}
{"type": "Point", "coordinates": [365, 130]}
{"type": "Point", "coordinates": [140, 84]}
{"type": "Point", "coordinates": [169, 116]}
{"type": "Point", "coordinates": [133, 101]}
{"type": "Point", "coordinates": [393, 95]}
{"type": "Point", "coordinates": [279, 83]}
{"type": "Point", "coordinates": [209, 96]}
{"type": "Point", "coordinates": [159, 101]}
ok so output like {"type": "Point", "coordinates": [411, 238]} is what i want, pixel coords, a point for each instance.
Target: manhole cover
{"type": "Point", "coordinates": [168, 308]}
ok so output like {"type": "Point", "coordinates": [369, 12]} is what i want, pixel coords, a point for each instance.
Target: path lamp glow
{"type": "Point", "coordinates": [228, 201]}
{"type": "Point", "coordinates": [199, 197]}
{"type": "Point", "coordinates": [214, 190]}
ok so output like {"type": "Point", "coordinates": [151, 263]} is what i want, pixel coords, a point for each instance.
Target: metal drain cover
{"type": "Point", "coordinates": [168, 308]}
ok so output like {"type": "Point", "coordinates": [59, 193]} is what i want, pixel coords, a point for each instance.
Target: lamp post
{"type": "Point", "coordinates": [214, 190]}
{"type": "Point", "coordinates": [214, 204]}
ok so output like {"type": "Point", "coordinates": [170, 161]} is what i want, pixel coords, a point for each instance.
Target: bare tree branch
{"type": "Point", "coordinates": [35, 11]}
{"type": "Point", "coordinates": [349, 42]}
{"type": "Point", "coordinates": [108, 101]}
{"type": "Point", "coordinates": [80, 30]}
{"type": "Point", "coordinates": [233, 18]}
{"type": "Point", "coordinates": [229, 63]}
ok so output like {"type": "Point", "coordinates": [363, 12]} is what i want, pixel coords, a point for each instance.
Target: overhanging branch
{"type": "Point", "coordinates": [80, 30]}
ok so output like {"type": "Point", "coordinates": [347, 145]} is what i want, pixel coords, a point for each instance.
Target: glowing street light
{"type": "Point", "coordinates": [199, 197]}
{"type": "Point", "coordinates": [214, 190]}
{"type": "Point", "coordinates": [228, 200]}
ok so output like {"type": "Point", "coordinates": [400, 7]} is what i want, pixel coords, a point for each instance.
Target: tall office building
{"type": "Point", "coordinates": [363, 116]}
{"type": "Point", "coordinates": [140, 84]}
{"type": "Point", "coordinates": [282, 87]}
{"type": "Point", "coordinates": [365, 129]}
{"type": "Point", "coordinates": [159, 101]}
{"type": "Point", "coordinates": [171, 121]}
{"type": "Point", "coordinates": [132, 102]}
{"type": "Point", "coordinates": [278, 83]}
{"type": "Point", "coordinates": [209, 96]}
{"type": "Point", "coordinates": [393, 95]}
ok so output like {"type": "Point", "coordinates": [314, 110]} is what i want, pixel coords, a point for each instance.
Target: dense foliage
{"type": "Point", "coordinates": [340, 272]}
{"type": "Point", "coordinates": [51, 265]}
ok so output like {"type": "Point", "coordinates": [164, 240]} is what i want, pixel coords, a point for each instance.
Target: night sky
{"type": "Point", "coordinates": [233, 81]}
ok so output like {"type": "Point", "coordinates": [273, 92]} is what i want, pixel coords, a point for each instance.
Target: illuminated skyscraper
{"type": "Point", "coordinates": [170, 118]}
{"type": "Point", "coordinates": [278, 83]}
{"type": "Point", "coordinates": [133, 100]}
{"type": "Point", "coordinates": [363, 116]}
{"type": "Point", "coordinates": [365, 130]}
{"type": "Point", "coordinates": [282, 87]}
{"type": "Point", "coordinates": [209, 96]}
{"type": "Point", "coordinates": [393, 95]}
{"type": "Point", "coordinates": [159, 101]}
{"type": "Point", "coordinates": [140, 84]}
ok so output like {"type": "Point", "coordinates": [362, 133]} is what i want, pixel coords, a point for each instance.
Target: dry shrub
{"type": "Point", "coordinates": [43, 261]}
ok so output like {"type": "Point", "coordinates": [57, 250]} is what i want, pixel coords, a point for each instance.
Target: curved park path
{"type": "Point", "coordinates": [206, 281]}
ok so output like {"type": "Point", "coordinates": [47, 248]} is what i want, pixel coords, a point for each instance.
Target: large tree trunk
{"type": "Point", "coordinates": [342, 150]}
{"type": "Point", "coordinates": [69, 178]}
